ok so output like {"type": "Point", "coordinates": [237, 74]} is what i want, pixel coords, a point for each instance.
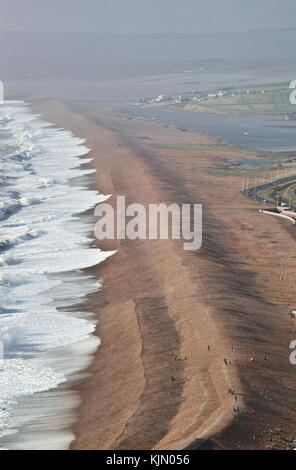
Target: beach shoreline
{"type": "Point", "coordinates": [159, 302]}
{"type": "Point", "coordinates": [44, 248]}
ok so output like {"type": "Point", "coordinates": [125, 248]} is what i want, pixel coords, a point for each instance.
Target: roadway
{"type": "Point", "coordinates": [251, 193]}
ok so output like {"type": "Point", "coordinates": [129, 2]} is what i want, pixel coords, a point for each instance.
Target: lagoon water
{"type": "Point", "coordinates": [261, 132]}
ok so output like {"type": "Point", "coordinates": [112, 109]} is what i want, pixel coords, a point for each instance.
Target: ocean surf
{"type": "Point", "coordinates": [45, 244]}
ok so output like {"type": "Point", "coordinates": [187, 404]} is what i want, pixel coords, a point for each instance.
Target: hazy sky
{"type": "Point", "coordinates": [155, 16]}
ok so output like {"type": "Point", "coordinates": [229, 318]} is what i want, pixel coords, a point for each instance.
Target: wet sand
{"type": "Point", "coordinates": [159, 301]}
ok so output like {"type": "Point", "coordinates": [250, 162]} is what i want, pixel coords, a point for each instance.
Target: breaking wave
{"type": "Point", "coordinates": [42, 243]}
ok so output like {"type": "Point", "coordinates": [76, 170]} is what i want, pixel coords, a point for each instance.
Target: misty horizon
{"type": "Point", "coordinates": [167, 16]}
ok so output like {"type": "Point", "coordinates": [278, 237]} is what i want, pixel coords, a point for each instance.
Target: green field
{"type": "Point", "coordinates": [274, 100]}
{"type": "Point", "coordinates": [202, 147]}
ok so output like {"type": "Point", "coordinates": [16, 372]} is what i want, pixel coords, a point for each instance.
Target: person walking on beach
{"type": "Point", "coordinates": [225, 362]}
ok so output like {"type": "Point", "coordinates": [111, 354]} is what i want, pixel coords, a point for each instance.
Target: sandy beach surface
{"type": "Point", "coordinates": [159, 302]}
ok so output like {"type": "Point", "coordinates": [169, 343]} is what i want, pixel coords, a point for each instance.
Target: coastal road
{"type": "Point", "coordinates": [251, 193]}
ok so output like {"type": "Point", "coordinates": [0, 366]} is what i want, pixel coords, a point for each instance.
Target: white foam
{"type": "Point", "coordinates": [44, 246]}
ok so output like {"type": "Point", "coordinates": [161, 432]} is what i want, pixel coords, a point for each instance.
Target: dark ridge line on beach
{"type": "Point", "coordinates": [200, 444]}
{"type": "Point", "coordinates": [154, 323]}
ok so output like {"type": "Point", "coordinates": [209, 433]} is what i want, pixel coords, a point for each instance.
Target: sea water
{"type": "Point", "coordinates": [44, 246]}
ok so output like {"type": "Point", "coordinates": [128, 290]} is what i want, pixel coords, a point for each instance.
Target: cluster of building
{"type": "Point", "coordinates": [195, 97]}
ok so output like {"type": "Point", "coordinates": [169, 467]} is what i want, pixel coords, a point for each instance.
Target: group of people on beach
{"type": "Point", "coordinates": [230, 391]}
